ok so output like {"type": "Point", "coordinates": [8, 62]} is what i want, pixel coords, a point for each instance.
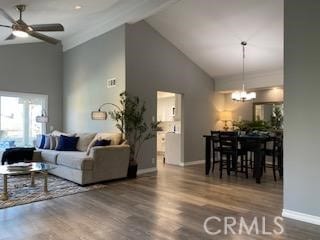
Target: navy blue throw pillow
{"type": "Point", "coordinates": [67, 143]}
{"type": "Point", "coordinates": [42, 141]}
{"type": "Point", "coordinates": [102, 143]}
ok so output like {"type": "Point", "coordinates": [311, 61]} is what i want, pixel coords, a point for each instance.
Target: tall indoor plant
{"type": "Point", "coordinates": [132, 123]}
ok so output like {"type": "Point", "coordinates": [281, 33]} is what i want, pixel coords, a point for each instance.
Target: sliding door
{"type": "Point", "coordinates": [18, 111]}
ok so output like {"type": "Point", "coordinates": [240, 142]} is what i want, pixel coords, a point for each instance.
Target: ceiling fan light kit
{"type": "Point", "coordinates": [22, 30]}
{"type": "Point", "coordinates": [243, 95]}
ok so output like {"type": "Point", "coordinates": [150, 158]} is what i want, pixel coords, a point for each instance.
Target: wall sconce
{"type": "Point", "coordinates": [226, 117]}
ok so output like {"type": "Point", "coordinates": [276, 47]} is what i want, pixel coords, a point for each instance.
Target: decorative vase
{"type": "Point", "coordinates": [132, 171]}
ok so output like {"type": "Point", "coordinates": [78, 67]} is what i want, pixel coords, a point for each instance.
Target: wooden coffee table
{"type": "Point", "coordinates": [39, 167]}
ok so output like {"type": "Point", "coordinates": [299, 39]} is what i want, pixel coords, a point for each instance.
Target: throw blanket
{"type": "Point", "coordinates": [14, 155]}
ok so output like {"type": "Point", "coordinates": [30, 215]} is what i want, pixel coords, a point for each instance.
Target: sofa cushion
{"type": "Point", "coordinates": [75, 160]}
{"type": "Point", "coordinates": [49, 156]}
{"type": "Point", "coordinates": [84, 140]}
{"type": "Point", "coordinates": [47, 142]}
{"type": "Point", "coordinates": [38, 141]}
{"type": "Point", "coordinates": [67, 143]}
{"type": "Point", "coordinates": [42, 141]}
{"type": "Point", "coordinates": [53, 142]}
{"type": "Point", "coordinates": [102, 143]}
{"type": "Point", "coordinates": [114, 137]}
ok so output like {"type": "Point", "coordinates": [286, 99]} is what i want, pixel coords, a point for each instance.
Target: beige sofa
{"type": "Point", "coordinates": [97, 164]}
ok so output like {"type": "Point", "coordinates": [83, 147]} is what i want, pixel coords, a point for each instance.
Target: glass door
{"type": "Point", "coordinates": [18, 126]}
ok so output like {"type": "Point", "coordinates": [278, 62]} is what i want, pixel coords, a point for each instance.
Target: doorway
{"type": "Point", "coordinates": [170, 136]}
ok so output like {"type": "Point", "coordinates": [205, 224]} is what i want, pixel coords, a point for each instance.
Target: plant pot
{"type": "Point", "coordinates": [132, 171]}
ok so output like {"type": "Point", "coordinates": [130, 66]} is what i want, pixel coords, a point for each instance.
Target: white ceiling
{"type": "Point", "coordinates": [93, 19]}
{"type": "Point", "coordinates": [210, 31]}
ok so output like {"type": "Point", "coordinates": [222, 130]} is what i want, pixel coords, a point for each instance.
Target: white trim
{"type": "Point", "coordinates": [184, 164]}
{"type": "Point", "coordinates": [301, 216]}
{"type": "Point", "coordinates": [146, 170]}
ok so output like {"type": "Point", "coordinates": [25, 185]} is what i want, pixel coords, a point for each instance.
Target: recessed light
{"type": "Point", "coordinates": [78, 7]}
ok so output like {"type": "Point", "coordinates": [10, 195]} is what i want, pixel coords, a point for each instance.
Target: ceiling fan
{"type": "Point", "coordinates": [22, 30]}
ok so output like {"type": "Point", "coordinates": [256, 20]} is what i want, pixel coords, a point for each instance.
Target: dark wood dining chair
{"type": "Point", "coordinates": [255, 145]}
{"type": "Point", "coordinates": [215, 148]}
{"type": "Point", "coordinates": [276, 152]}
{"type": "Point", "coordinates": [228, 144]}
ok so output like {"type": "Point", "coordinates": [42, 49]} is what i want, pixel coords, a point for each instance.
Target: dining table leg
{"type": "Point", "coordinates": [258, 171]}
{"type": "Point", "coordinates": [208, 155]}
{"type": "Point", "coordinates": [280, 163]}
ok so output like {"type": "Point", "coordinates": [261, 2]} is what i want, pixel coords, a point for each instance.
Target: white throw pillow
{"type": "Point", "coordinates": [53, 142]}
{"type": "Point", "coordinates": [56, 138]}
{"type": "Point", "coordinates": [84, 140]}
{"type": "Point", "coordinates": [58, 134]}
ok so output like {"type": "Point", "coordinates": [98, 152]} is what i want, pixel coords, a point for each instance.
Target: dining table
{"type": "Point", "coordinates": [250, 142]}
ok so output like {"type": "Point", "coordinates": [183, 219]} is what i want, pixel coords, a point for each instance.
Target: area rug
{"type": "Point", "coordinates": [20, 190]}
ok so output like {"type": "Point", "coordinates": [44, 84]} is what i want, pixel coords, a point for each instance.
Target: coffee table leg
{"type": "Point", "coordinates": [32, 179]}
{"type": "Point", "coordinates": [5, 188]}
{"type": "Point", "coordinates": [45, 187]}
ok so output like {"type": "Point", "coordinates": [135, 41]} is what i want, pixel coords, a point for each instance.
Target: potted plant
{"type": "Point", "coordinates": [133, 125]}
{"type": "Point", "coordinates": [249, 126]}
{"type": "Point", "coordinates": [277, 118]}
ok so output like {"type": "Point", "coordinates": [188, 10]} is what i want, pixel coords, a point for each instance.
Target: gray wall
{"type": "Point", "coordinates": [154, 64]}
{"type": "Point", "coordinates": [86, 70]}
{"type": "Point", "coordinates": [301, 81]}
{"type": "Point", "coordinates": [244, 110]}
{"type": "Point", "coordinates": [34, 68]}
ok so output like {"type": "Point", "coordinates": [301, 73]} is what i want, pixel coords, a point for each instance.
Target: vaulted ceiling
{"type": "Point", "coordinates": [92, 19]}
{"type": "Point", "coordinates": [210, 32]}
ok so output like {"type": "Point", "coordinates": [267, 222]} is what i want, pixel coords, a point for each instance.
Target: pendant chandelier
{"type": "Point", "coordinates": [243, 95]}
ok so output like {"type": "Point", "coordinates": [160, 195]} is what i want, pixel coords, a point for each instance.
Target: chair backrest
{"type": "Point", "coordinates": [228, 140]}
{"type": "Point", "coordinates": [215, 133]}
{"type": "Point", "coordinates": [215, 136]}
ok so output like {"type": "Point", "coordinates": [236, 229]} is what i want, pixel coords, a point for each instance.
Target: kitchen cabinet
{"type": "Point", "coordinates": [173, 148]}
{"type": "Point", "coordinates": [169, 109]}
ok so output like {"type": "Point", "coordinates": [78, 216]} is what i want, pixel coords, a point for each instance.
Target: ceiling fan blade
{"type": "Point", "coordinates": [11, 37]}
{"type": "Point", "coordinates": [54, 27]}
{"type": "Point", "coordinates": [43, 37]}
{"type": "Point", "coordinates": [7, 16]}
{"type": "Point", "coordinates": [5, 26]}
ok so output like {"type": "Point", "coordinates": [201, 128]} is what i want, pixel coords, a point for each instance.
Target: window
{"type": "Point", "coordinates": [18, 111]}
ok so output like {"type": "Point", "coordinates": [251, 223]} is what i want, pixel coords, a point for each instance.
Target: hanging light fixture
{"type": "Point", "coordinates": [243, 95]}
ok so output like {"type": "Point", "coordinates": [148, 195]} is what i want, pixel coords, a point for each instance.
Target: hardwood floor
{"type": "Point", "coordinates": [170, 205]}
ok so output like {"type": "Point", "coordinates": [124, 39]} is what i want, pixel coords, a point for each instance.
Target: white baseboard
{"type": "Point", "coordinates": [147, 170]}
{"type": "Point", "coordinates": [301, 216]}
{"type": "Point", "coordinates": [183, 164]}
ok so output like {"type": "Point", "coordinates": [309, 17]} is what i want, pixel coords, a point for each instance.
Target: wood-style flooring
{"type": "Point", "coordinates": [172, 204]}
